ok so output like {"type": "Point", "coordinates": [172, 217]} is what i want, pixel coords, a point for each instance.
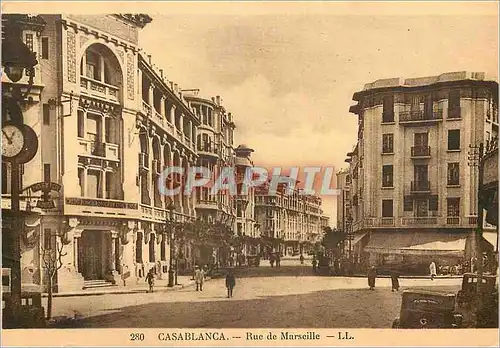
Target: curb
{"type": "Point", "coordinates": [120, 292]}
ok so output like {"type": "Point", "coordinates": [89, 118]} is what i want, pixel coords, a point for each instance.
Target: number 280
{"type": "Point", "coordinates": [137, 336]}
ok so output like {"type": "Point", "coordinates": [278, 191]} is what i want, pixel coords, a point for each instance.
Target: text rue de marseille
{"type": "Point", "coordinates": [251, 336]}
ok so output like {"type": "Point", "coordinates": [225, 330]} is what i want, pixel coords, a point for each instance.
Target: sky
{"type": "Point", "coordinates": [288, 77]}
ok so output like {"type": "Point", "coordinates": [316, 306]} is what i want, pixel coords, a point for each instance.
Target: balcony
{"type": "Point", "coordinates": [419, 220]}
{"type": "Point", "coordinates": [99, 89]}
{"type": "Point", "coordinates": [453, 220]}
{"type": "Point", "coordinates": [419, 117]}
{"type": "Point", "coordinates": [97, 149]}
{"type": "Point", "coordinates": [157, 166]}
{"type": "Point", "coordinates": [420, 186]}
{"type": "Point", "coordinates": [146, 109]}
{"type": "Point", "coordinates": [144, 161]}
{"type": "Point", "coordinates": [420, 152]}
{"type": "Point", "coordinates": [159, 118]}
{"type": "Point", "coordinates": [387, 221]}
{"type": "Point", "coordinates": [207, 204]}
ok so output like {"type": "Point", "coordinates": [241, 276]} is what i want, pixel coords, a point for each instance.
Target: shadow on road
{"type": "Point", "coordinates": [346, 308]}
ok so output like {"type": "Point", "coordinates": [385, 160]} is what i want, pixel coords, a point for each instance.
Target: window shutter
{"type": "Point", "coordinates": [408, 203]}
{"type": "Point", "coordinates": [433, 203]}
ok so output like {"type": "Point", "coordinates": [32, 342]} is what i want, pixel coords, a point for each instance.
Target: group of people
{"type": "Point", "coordinates": [275, 258]}
{"type": "Point", "coordinates": [372, 276]}
{"type": "Point", "coordinates": [199, 278]}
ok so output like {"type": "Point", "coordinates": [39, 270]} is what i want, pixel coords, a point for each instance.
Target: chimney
{"type": "Point", "coordinates": [171, 84]}
{"type": "Point", "coordinates": [176, 87]}
{"type": "Point", "coordinates": [213, 100]}
{"type": "Point", "coordinates": [161, 73]}
{"type": "Point", "coordinates": [149, 58]}
{"type": "Point", "coordinates": [218, 99]}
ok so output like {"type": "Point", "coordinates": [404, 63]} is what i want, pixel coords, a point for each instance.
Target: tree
{"type": "Point", "coordinates": [52, 254]}
{"type": "Point", "coordinates": [332, 240]}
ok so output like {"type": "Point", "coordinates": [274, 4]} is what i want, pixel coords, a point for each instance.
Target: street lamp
{"type": "Point", "coordinates": [16, 57]}
{"type": "Point", "coordinates": [169, 224]}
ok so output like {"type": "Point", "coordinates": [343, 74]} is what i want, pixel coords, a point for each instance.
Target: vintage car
{"type": "Point", "coordinates": [467, 296]}
{"type": "Point", "coordinates": [423, 309]}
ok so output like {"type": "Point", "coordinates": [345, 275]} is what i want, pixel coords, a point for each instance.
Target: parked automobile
{"type": "Point", "coordinates": [467, 295]}
{"type": "Point", "coordinates": [427, 309]}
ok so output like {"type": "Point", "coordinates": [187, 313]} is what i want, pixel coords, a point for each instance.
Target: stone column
{"type": "Point", "coordinates": [162, 106]}
{"type": "Point", "coordinates": [181, 123]}
{"type": "Point", "coordinates": [172, 115]}
{"type": "Point", "coordinates": [151, 96]}
{"type": "Point", "coordinates": [103, 183]}
{"type": "Point", "coordinates": [84, 183]}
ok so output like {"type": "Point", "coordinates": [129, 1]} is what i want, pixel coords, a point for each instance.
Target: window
{"type": "Point", "coordinates": [94, 184]}
{"type": "Point", "coordinates": [387, 143]}
{"type": "Point", "coordinates": [454, 99]}
{"type": "Point", "coordinates": [347, 179]}
{"type": "Point", "coordinates": [45, 48]}
{"type": "Point", "coordinates": [420, 172]}
{"type": "Point", "coordinates": [388, 109]}
{"type": "Point", "coordinates": [81, 178]}
{"type": "Point", "coordinates": [454, 139]}
{"type": "Point", "coordinates": [387, 210]}
{"type": "Point", "coordinates": [421, 207]}
{"type": "Point", "coordinates": [46, 114]}
{"type": "Point", "coordinates": [433, 203]}
{"type": "Point", "coordinates": [46, 172]}
{"type": "Point", "coordinates": [29, 41]}
{"type": "Point", "coordinates": [428, 106]}
{"type": "Point", "coordinates": [408, 203]}
{"type": "Point", "coordinates": [453, 206]}
{"type": "Point", "coordinates": [454, 173]}
{"type": "Point", "coordinates": [81, 120]}
{"type": "Point", "coordinates": [152, 247]}
{"type": "Point", "coordinates": [138, 248]}
{"type": "Point", "coordinates": [387, 176]}
{"type": "Point", "coordinates": [93, 66]}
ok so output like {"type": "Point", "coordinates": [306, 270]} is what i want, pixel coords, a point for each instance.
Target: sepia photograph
{"type": "Point", "coordinates": [193, 167]}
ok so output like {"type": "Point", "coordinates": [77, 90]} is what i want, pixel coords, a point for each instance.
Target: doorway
{"type": "Point", "coordinates": [90, 252]}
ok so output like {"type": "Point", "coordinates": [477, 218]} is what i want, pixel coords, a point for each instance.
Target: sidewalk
{"type": "Point", "coordinates": [160, 286]}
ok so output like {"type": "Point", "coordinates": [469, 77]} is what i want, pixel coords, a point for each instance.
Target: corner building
{"type": "Point", "coordinates": [108, 122]}
{"type": "Point", "coordinates": [413, 194]}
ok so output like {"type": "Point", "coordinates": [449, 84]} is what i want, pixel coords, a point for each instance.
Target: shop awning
{"type": "Point", "coordinates": [417, 243]}
{"type": "Point", "coordinates": [357, 238]}
{"type": "Point", "coordinates": [492, 238]}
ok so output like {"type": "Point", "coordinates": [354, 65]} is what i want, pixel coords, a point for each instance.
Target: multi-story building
{"type": "Point", "coordinates": [344, 215]}
{"type": "Point", "coordinates": [413, 195]}
{"type": "Point", "coordinates": [108, 123]}
{"type": "Point", "coordinates": [290, 221]}
{"type": "Point", "coordinates": [215, 148]}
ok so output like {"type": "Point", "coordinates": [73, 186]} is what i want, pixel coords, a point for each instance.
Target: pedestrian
{"type": "Point", "coordinates": [432, 270]}
{"type": "Point", "coordinates": [230, 283]}
{"type": "Point", "coordinates": [395, 280]}
{"type": "Point", "coordinates": [150, 278]}
{"type": "Point", "coordinates": [278, 260]}
{"type": "Point", "coordinates": [199, 277]}
{"type": "Point", "coordinates": [301, 259]}
{"type": "Point", "coordinates": [372, 275]}
{"type": "Point", "coordinates": [314, 263]}
{"type": "Point", "coordinates": [271, 260]}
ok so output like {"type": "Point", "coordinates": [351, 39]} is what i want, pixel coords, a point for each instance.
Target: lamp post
{"type": "Point", "coordinates": [16, 58]}
{"type": "Point", "coordinates": [170, 225]}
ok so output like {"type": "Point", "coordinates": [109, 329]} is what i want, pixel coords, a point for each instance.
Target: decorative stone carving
{"type": "Point", "coordinates": [121, 55]}
{"type": "Point", "coordinates": [83, 40]}
{"type": "Point", "coordinates": [72, 222]}
{"type": "Point", "coordinates": [130, 76]}
{"type": "Point", "coordinates": [71, 56]}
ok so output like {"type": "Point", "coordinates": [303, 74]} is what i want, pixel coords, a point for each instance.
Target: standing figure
{"type": "Point", "coordinates": [395, 280]}
{"type": "Point", "coordinates": [199, 277]}
{"type": "Point", "coordinates": [230, 283]}
{"type": "Point", "coordinates": [432, 270]}
{"type": "Point", "coordinates": [314, 263]}
{"type": "Point", "coordinates": [271, 259]}
{"type": "Point", "coordinates": [278, 260]}
{"type": "Point", "coordinates": [372, 275]}
{"type": "Point", "coordinates": [150, 278]}
{"type": "Point", "coordinates": [301, 259]}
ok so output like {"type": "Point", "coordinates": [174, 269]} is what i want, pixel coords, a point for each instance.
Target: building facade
{"type": "Point", "coordinates": [289, 222]}
{"type": "Point", "coordinates": [413, 194]}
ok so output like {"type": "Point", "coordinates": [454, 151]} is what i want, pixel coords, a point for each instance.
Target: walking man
{"type": "Point", "coordinates": [199, 277]}
{"type": "Point", "coordinates": [230, 283]}
{"type": "Point", "coordinates": [150, 278]}
{"type": "Point", "coordinates": [432, 270]}
{"type": "Point", "coordinates": [372, 276]}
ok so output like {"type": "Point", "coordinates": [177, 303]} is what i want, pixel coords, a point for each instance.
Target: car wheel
{"type": "Point", "coordinates": [396, 324]}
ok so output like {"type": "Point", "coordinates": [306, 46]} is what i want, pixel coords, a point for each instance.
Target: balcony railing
{"type": "Point", "coordinates": [387, 221]}
{"type": "Point", "coordinates": [146, 108]}
{"type": "Point", "coordinates": [454, 220]}
{"type": "Point", "coordinates": [419, 220]}
{"type": "Point", "coordinates": [420, 151]}
{"type": "Point", "coordinates": [98, 149]}
{"type": "Point", "coordinates": [420, 186]}
{"type": "Point", "coordinates": [99, 89]}
{"type": "Point", "coordinates": [420, 115]}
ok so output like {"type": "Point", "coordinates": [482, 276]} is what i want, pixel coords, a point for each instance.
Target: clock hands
{"type": "Point", "coordinates": [9, 139]}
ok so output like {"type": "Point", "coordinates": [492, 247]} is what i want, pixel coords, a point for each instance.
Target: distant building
{"type": "Point", "coordinates": [413, 195]}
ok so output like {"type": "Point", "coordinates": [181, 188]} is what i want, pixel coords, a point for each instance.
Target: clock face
{"type": "Point", "coordinates": [12, 141]}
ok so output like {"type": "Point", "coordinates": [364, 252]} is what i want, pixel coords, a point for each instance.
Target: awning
{"type": "Point", "coordinates": [492, 238]}
{"type": "Point", "coordinates": [417, 243]}
{"type": "Point", "coordinates": [357, 238]}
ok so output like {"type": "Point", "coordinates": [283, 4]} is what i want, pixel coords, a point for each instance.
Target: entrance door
{"type": "Point", "coordinates": [91, 255]}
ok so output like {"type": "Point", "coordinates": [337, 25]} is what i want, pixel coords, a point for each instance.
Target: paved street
{"type": "Point", "coordinates": [264, 297]}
